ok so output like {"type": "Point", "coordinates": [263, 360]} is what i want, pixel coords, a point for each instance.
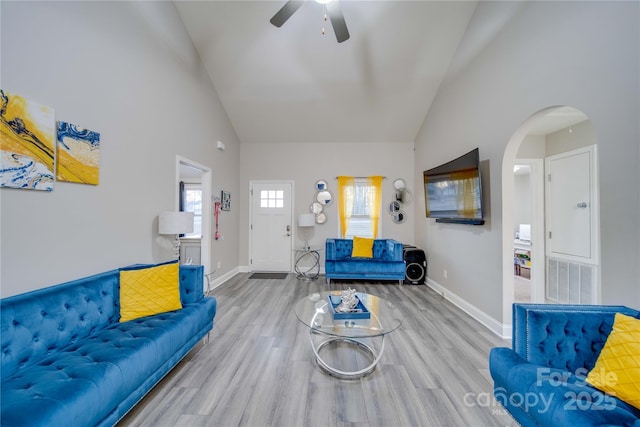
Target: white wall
{"type": "Point", "coordinates": [574, 137]}
{"type": "Point", "coordinates": [306, 163]}
{"type": "Point", "coordinates": [522, 195]}
{"type": "Point", "coordinates": [129, 71]}
{"type": "Point", "coordinates": [580, 54]}
{"type": "Point", "coordinates": [532, 147]}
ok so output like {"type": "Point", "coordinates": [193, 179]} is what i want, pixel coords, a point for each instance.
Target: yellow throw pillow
{"type": "Point", "coordinates": [617, 370]}
{"type": "Point", "coordinates": [148, 291]}
{"type": "Point", "coordinates": [362, 247]}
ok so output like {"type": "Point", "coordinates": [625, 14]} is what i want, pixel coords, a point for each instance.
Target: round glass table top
{"type": "Point", "coordinates": [315, 312]}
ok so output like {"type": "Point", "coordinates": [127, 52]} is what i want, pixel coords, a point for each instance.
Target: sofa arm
{"type": "Point", "coordinates": [191, 283]}
{"type": "Point", "coordinates": [393, 252]}
{"type": "Point", "coordinates": [330, 249]}
{"type": "Point", "coordinates": [563, 336]}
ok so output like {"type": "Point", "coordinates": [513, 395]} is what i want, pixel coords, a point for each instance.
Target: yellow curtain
{"type": "Point", "coordinates": [375, 197]}
{"type": "Point", "coordinates": [467, 182]}
{"type": "Point", "coordinates": [345, 202]}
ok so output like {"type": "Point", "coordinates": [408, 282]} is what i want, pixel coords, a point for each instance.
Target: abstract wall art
{"type": "Point", "coordinates": [27, 143]}
{"type": "Point", "coordinates": [78, 154]}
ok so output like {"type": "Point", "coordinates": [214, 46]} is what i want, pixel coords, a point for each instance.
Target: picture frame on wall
{"type": "Point", "coordinates": [225, 201]}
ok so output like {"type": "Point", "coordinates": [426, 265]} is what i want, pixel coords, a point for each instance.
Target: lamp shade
{"type": "Point", "coordinates": [306, 220]}
{"type": "Point", "coordinates": [175, 223]}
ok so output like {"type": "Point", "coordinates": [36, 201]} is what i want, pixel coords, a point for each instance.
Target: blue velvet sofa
{"type": "Point", "coordinates": [68, 361]}
{"type": "Point", "coordinates": [387, 262]}
{"type": "Point", "coordinates": [541, 379]}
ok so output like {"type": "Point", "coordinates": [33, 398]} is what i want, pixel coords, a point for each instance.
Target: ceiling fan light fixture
{"type": "Point", "coordinates": [332, 9]}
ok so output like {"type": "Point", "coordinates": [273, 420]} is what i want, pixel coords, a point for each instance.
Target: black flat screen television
{"type": "Point", "coordinates": [453, 191]}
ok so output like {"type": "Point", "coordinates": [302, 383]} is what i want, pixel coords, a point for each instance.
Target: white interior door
{"type": "Point", "coordinates": [271, 226]}
{"type": "Point", "coordinates": [572, 241]}
{"type": "Point", "coordinates": [569, 205]}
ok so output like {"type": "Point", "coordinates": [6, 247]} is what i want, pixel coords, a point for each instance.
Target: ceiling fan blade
{"type": "Point", "coordinates": [285, 13]}
{"type": "Point", "coordinates": [337, 21]}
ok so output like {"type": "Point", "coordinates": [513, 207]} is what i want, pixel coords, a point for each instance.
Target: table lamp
{"type": "Point", "coordinates": [175, 223]}
{"type": "Point", "coordinates": [306, 220]}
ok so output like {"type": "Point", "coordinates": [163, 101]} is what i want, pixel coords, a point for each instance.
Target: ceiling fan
{"type": "Point", "coordinates": [333, 10]}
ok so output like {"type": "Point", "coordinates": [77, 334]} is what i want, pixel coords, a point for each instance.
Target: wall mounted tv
{"type": "Point", "coordinates": [453, 191]}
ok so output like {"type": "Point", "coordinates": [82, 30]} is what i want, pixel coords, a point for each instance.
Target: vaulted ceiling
{"type": "Point", "coordinates": [293, 84]}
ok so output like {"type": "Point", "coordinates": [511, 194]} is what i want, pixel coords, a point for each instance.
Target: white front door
{"type": "Point", "coordinates": [271, 226]}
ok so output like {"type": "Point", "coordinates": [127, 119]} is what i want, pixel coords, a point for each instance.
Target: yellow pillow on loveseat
{"type": "Point", "coordinates": [148, 291]}
{"type": "Point", "coordinates": [617, 370]}
{"type": "Point", "coordinates": [362, 247]}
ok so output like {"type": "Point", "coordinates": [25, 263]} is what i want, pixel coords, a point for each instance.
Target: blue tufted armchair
{"type": "Point", "coordinates": [541, 379]}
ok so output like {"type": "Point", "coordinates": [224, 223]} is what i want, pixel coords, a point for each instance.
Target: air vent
{"type": "Point", "coordinates": [570, 282]}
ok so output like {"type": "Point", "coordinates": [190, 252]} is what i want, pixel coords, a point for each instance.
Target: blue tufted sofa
{"type": "Point", "coordinates": [67, 361]}
{"type": "Point", "coordinates": [387, 262]}
{"type": "Point", "coordinates": [541, 379]}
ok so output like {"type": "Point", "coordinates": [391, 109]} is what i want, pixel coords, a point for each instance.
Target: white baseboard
{"type": "Point", "coordinates": [501, 330]}
{"type": "Point", "coordinates": [246, 269]}
{"type": "Point", "coordinates": [226, 276]}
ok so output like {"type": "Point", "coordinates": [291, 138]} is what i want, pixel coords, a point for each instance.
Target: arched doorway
{"type": "Point", "coordinates": [553, 128]}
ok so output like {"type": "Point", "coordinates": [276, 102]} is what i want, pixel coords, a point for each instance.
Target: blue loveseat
{"type": "Point", "coordinates": [68, 361]}
{"type": "Point", "coordinates": [387, 262]}
{"type": "Point", "coordinates": [541, 379]}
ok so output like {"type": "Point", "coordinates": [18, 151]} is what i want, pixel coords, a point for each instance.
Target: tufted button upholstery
{"type": "Point", "coordinates": [387, 262]}
{"type": "Point", "coordinates": [190, 275]}
{"type": "Point", "coordinates": [66, 360]}
{"type": "Point", "coordinates": [562, 339]}
{"type": "Point", "coordinates": [541, 380]}
{"type": "Point", "coordinates": [66, 314]}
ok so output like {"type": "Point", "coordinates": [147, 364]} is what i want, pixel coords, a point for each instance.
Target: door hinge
{"type": "Point", "coordinates": [549, 234]}
{"type": "Point", "coordinates": [549, 178]}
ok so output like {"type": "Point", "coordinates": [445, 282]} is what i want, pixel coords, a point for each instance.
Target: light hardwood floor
{"type": "Point", "coordinates": [258, 368]}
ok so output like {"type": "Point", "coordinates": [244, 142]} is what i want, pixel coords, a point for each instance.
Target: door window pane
{"type": "Point", "coordinates": [272, 199]}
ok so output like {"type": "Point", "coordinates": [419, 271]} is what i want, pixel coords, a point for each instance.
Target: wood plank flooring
{"type": "Point", "coordinates": [258, 368]}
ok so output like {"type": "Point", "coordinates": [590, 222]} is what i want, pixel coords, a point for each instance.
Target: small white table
{"type": "Point", "coordinates": [307, 264]}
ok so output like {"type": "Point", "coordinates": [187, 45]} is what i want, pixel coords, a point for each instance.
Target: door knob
{"type": "Point", "coordinates": [582, 205]}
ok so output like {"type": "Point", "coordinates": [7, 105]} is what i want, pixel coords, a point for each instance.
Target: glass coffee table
{"type": "Point", "coordinates": [347, 348]}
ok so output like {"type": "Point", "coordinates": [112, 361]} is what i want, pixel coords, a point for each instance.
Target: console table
{"type": "Point", "coordinates": [307, 263]}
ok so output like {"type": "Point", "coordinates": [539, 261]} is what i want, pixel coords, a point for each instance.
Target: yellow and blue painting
{"type": "Point", "coordinates": [27, 143]}
{"type": "Point", "coordinates": [78, 154]}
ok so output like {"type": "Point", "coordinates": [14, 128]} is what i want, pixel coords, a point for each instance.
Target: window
{"type": "Point", "coordinates": [363, 198]}
{"type": "Point", "coordinates": [192, 199]}
{"type": "Point", "coordinates": [272, 199]}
